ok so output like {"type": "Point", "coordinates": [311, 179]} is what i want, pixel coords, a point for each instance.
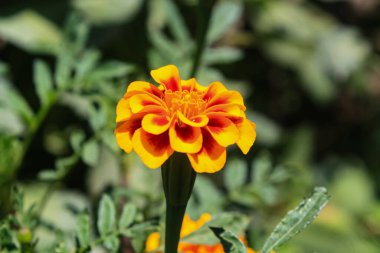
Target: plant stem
{"type": "Point", "coordinates": [204, 14]}
{"type": "Point", "coordinates": [178, 181]}
{"type": "Point", "coordinates": [174, 218]}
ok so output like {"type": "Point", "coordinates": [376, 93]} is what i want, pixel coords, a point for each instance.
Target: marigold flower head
{"type": "Point", "coordinates": [189, 226]}
{"type": "Point", "coordinates": [182, 116]}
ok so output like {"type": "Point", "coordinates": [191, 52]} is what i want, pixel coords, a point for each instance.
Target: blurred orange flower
{"type": "Point", "coordinates": [182, 116]}
{"type": "Point", "coordinates": [189, 226]}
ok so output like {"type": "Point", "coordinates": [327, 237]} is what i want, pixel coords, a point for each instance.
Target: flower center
{"type": "Point", "coordinates": [189, 103]}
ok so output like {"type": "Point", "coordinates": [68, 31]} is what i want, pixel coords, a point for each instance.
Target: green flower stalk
{"type": "Point", "coordinates": [178, 181]}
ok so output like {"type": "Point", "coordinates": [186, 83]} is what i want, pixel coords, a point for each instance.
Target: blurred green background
{"type": "Point", "coordinates": [309, 72]}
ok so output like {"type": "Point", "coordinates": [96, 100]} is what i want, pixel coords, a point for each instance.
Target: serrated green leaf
{"type": "Point", "coordinates": [177, 24]}
{"type": "Point", "coordinates": [63, 70]}
{"type": "Point", "coordinates": [223, 16]}
{"type": "Point", "coordinates": [90, 154]}
{"type": "Point", "coordinates": [43, 82]}
{"type": "Point", "coordinates": [101, 12]}
{"type": "Point", "coordinates": [10, 98]}
{"type": "Point", "coordinates": [86, 63]}
{"type": "Point", "coordinates": [222, 55]}
{"type": "Point", "coordinates": [112, 69]}
{"type": "Point", "coordinates": [112, 243]}
{"type": "Point", "coordinates": [235, 174]}
{"type": "Point", "coordinates": [128, 215]}
{"type": "Point", "coordinates": [32, 32]}
{"type": "Point", "coordinates": [141, 229]}
{"type": "Point", "coordinates": [231, 242]}
{"type": "Point", "coordinates": [208, 195]}
{"type": "Point", "coordinates": [83, 230]}
{"type": "Point", "coordinates": [297, 219]}
{"type": "Point", "coordinates": [106, 216]}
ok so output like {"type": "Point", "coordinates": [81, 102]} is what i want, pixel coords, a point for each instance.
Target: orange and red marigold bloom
{"type": "Point", "coordinates": [189, 226]}
{"type": "Point", "coordinates": [182, 116]}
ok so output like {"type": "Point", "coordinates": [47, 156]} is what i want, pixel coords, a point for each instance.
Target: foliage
{"type": "Point", "coordinates": [308, 71]}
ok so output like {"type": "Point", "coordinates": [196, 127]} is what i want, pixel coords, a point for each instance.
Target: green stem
{"type": "Point", "coordinates": [204, 14]}
{"type": "Point", "coordinates": [178, 181]}
{"type": "Point", "coordinates": [174, 218]}
{"type": "Point", "coordinates": [40, 117]}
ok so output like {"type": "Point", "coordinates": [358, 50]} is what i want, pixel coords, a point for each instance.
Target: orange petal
{"type": "Point", "coordinates": [185, 138]}
{"type": "Point", "coordinates": [211, 158]}
{"type": "Point", "coordinates": [226, 109]}
{"type": "Point", "coordinates": [247, 135]}
{"type": "Point", "coordinates": [153, 150]}
{"type": "Point", "coordinates": [227, 97]}
{"type": "Point", "coordinates": [155, 123]}
{"type": "Point", "coordinates": [223, 130]}
{"type": "Point", "coordinates": [196, 121]}
{"type": "Point", "coordinates": [168, 76]}
{"type": "Point", "coordinates": [123, 110]}
{"type": "Point", "coordinates": [125, 130]}
{"type": "Point", "coordinates": [214, 89]}
{"type": "Point", "coordinates": [152, 242]}
{"type": "Point", "coordinates": [140, 87]}
{"type": "Point", "coordinates": [140, 102]}
{"type": "Point", "coordinates": [124, 141]}
{"type": "Point", "coordinates": [192, 85]}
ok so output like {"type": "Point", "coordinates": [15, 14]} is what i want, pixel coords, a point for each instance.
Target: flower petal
{"type": "Point", "coordinates": [227, 97]}
{"type": "Point", "coordinates": [247, 135]}
{"type": "Point", "coordinates": [124, 141]}
{"type": "Point", "coordinates": [185, 138]}
{"type": "Point", "coordinates": [211, 158]}
{"type": "Point", "coordinates": [153, 150]}
{"type": "Point", "coordinates": [123, 110]}
{"type": "Point", "coordinates": [155, 123]}
{"type": "Point", "coordinates": [140, 102]}
{"type": "Point", "coordinates": [140, 87]}
{"type": "Point", "coordinates": [125, 130]}
{"type": "Point", "coordinates": [214, 89]}
{"type": "Point", "coordinates": [168, 76]}
{"type": "Point", "coordinates": [223, 130]}
{"type": "Point", "coordinates": [196, 121]}
{"type": "Point", "coordinates": [192, 85]}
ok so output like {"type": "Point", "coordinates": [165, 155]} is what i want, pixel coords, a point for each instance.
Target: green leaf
{"type": "Point", "coordinates": [112, 69]}
{"type": "Point", "coordinates": [83, 230]}
{"type": "Point", "coordinates": [177, 24]}
{"type": "Point", "coordinates": [107, 12]}
{"type": "Point", "coordinates": [268, 131]}
{"type": "Point", "coordinates": [112, 243]}
{"type": "Point", "coordinates": [48, 175]}
{"type": "Point", "coordinates": [86, 63]}
{"type": "Point", "coordinates": [63, 69]}
{"type": "Point", "coordinates": [235, 174]}
{"type": "Point", "coordinates": [297, 219]}
{"type": "Point", "coordinates": [106, 216]}
{"type": "Point", "coordinates": [128, 215]}
{"type": "Point", "coordinates": [90, 154]}
{"type": "Point", "coordinates": [225, 14]}
{"type": "Point", "coordinates": [140, 229]}
{"type": "Point", "coordinates": [231, 243]}
{"type": "Point", "coordinates": [76, 139]}
{"type": "Point", "coordinates": [32, 32]}
{"type": "Point", "coordinates": [208, 196]}
{"type": "Point", "coordinates": [10, 98]}
{"type": "Point", "coordinates": [234, 222]}
{"type": "Point", "coordinates": [43, 81]}
{"type": "Point", "coordinates": [222, 55]}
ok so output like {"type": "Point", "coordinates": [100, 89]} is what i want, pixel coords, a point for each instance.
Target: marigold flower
{"type": "Point", "coordinates": [189, 226]}
{"type": "Point", "coordinates": [182, 116]}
